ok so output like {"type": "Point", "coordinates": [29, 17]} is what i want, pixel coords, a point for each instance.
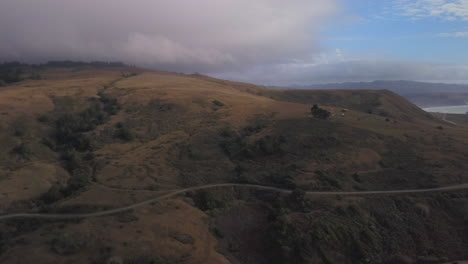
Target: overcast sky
{"type": "Point", "coordinates": [261, 41]}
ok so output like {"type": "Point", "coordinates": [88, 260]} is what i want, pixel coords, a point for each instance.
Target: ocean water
{"type": "Point", "coordinates": [455, 109]}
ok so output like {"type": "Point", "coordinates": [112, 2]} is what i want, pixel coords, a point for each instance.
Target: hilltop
{"type": "Point", "coordinates": [423, 94]}
{"type": "Point", "coordinates": [87, 138]}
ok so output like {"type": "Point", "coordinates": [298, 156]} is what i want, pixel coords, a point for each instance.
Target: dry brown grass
{"type": "Point", "coordinates": [30, 182]}
{"type": "Point", "coordinates": [149, 232]}
{"type": "Point", "coordinates": [154, 159]}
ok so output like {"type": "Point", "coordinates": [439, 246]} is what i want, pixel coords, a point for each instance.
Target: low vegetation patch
{"type": "Point", "coordinates": [146, 259]}
{"type": "Point", "coordinates": [123, 132]}
{"type": "Point", "coordinates": [276, 152]}
{"type": "Point", "coordinates": [70, 137]}
{"type": "Point", "coordinates": [318, 112]}
{"type": "Point", "coordinates": [74, 64]}
{"type": "Point", "coordinates": [11, 72]}
{"type": "Point", "coordinates": [69, 243]}
{"type": "Point", "coordinates": [23, 151]}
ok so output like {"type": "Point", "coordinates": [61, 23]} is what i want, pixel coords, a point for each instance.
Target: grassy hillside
{"type": "Point", "coordinates": [420, 93]}
{"type": "Point", "coordinates": [84, 139]}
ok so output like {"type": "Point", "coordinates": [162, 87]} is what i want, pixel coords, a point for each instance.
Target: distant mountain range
{"type": "Point", "coordinates": [422, 94]}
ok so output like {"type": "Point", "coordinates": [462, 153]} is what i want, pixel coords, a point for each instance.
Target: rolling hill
{"type": "Point", "coordinates": [90, 138]}
{"type": "Point", "coordinates": [422, 94]}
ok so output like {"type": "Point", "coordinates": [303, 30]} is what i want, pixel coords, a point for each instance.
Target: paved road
{"type": "Point", "coordinates": [260, 187]}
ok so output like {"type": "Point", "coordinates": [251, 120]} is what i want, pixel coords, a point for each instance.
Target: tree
{"type": "Point", "coordinates": [318, 112]}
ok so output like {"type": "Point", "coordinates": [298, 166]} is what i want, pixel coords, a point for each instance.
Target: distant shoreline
{"type": "Point", "coordinates": [452, 109]}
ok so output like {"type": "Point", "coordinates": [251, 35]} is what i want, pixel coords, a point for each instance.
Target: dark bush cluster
{"type": "Point", "coordinates": [283, 179]}
{"type": "Point", "coordinates": [123, 132]}
{"type": "Point", "coordinates": [71, 64]}
{"type": "Point", "coordinates": [70, 139]}
{"type": "Point", "coordinates": [10, 72]}
{"type": "Point", "coordinates": [218, 103]}
{"type": "Point", "coordinates": [69, 243]}
{"type": "Point", "coordinates": [69, 129]}
{"type": "Point", "coordinates": [254, 128]}
{"type": "Point", "coordinates": [144, 260]}
{"type": "Point", "coordinates": [111, 105]}
{"type": "Point", "coordinates": [22, 150]}
{"type": "Point", "coordinates": [238, 147]}
{"type": "Point", "coordinates": [318, 112]}
{"type": "Point", "coordinates": [253, 156]}
{"type": "Point", "coordinates": [327, 180]}
{"type": "Point", "coordinates": [129, 74]}
{"type": "Point", "coordinates": [207, 201]}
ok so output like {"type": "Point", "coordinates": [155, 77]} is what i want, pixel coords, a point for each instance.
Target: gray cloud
{"type": "Point", "coordinates": [181, 35]}
{"type": "Point", "coordinates": [262, 41]}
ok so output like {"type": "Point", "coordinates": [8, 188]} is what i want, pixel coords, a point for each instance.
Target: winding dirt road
{"type": "Point", "coordinates": [260, 187]}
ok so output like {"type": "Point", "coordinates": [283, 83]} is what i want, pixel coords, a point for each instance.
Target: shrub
{"type": "Point", "coordinates": [228, 132]}
{"type": "Point", "coordinates": [71, 160]}
{"type": "Point", "coordinates": [129, 74]}
{"type": "Point", "coordinates": [43, 119]}
{"type": "Point", "coordinates": [143, 260]}
{"type": "Point", "coordinates": [35, 76]}
{"type": "Point", "coordinates": [112, 107]}
{"type": "Point", "coordinates": [52, 195]}
{"type": "Point", "coordinates": [357, 177]}
{"type": "Point", "coordinates": [318, 112]}
{"type": "Point", "coordinates": [73, 64]}
{"type": "Point", "coordinates": [208, 201]}
{"type": "Point", "coordinates": [218, 103]}
{"type": "Point", "coordinates": [233, 146]}
{"type": "Point", "coordinates": [70, 128]}
{"type": "Point", "coordinates": [11, 72]}
{"type": "Point", "coordinates": [285, 180]}
{"type": "Point", "coordinates": [50, 143]}
{"type": "Point", "coordinates": [82, 176]}
{"type": "Point", "coordinates": [70, 139]}
{"type": "Point", "coordinates": [217, 233]}
{"type": "Point", "coordinates": [69, 243]}
{"type": "Point", "coordinates": [22, 150]}
{"type": "Point", "coordinates": [327, 180]}
{"type": "Point", "coordinates": [270, 145]}
{"type": "Point", "coordinates": [298, 199]}
{"type": "Point", "coordinates": [182, 238]}
{"type": "Point", "coordinates": [124, 133]}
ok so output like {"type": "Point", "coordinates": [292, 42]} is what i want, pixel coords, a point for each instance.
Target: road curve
{"type": "Point", "coordinates": [260, 187]}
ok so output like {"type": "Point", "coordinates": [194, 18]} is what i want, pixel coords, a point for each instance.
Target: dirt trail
{"type": "Point", "coordinates": [260, 187]}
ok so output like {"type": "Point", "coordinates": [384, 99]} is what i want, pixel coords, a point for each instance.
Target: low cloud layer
{"type": "Point", "coordinates": [261, 41]}
{"type": "Point", "coordinates": [350, 71]}
{"type": "Point", "coordinates": [179, 35]}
